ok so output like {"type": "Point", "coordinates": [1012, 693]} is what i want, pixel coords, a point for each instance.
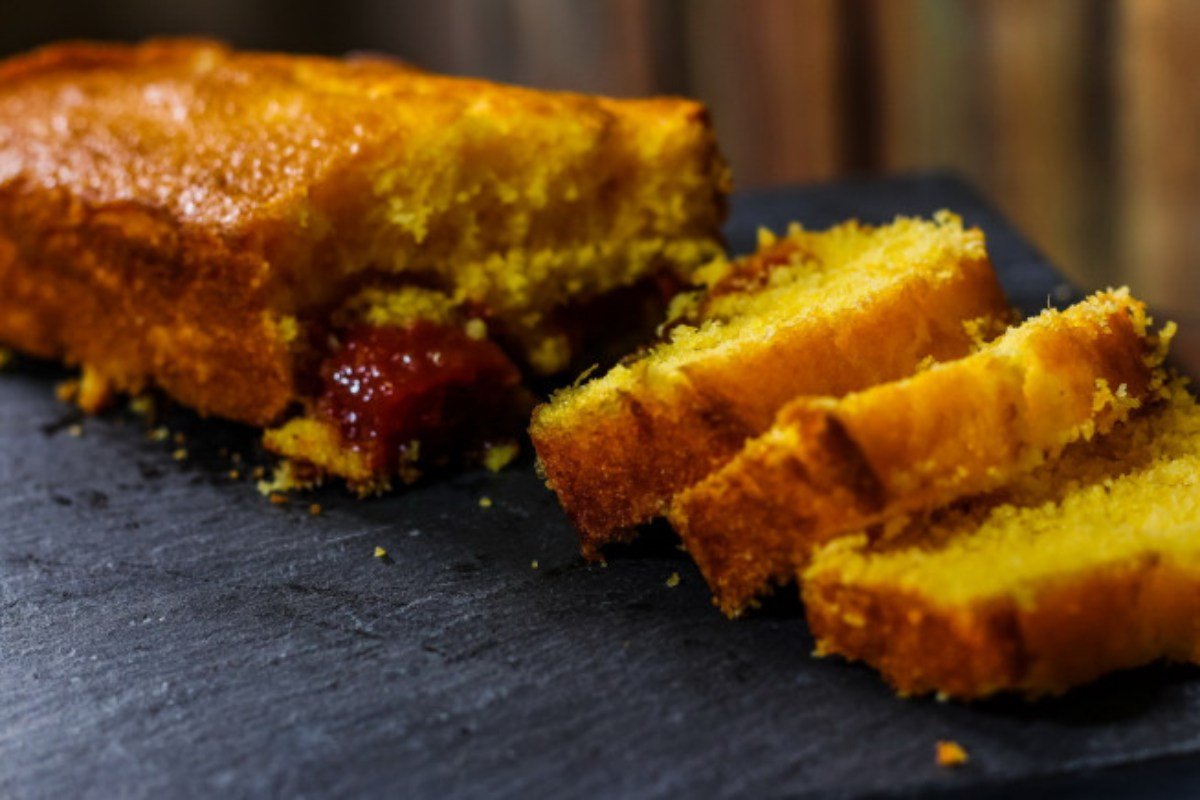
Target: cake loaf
{"type": "Point", "coordinates": [375, 250]}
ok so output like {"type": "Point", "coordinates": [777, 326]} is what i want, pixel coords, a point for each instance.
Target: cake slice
{"type": "Point", "coordinates": [376, 251]}
{"type": "Point", "coordinates": [832, 466]}
{"type": "Point", "coordinates": [1087, 565]}
{"type": "Point", "coordinates": [812, 313]}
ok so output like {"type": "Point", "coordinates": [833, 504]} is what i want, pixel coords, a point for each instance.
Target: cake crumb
{"type": "Point", "coordinates": [534, 564]}
{"type": "Point", "coordinates": [159, 434]}
{"type": "Point", "coordinates": [380, 552]}
{"type": "Point", "coordinates": [498, 456]}
{"type": "Point", "coordinates": [583, 376]}
{"type": "Point", "coordinates": [950, 753]}
{"type": "Point", "coordinates": [673, 581]}
{"type": "Point", "coordinates": [277, 498]}
{"type": "Point", "coordinates": [925, 364]}
{"type": "Point", "coordinates": [289, 476]}
{"type": "Point", "coordinates": [6, 357]}
{"type": "Point", "coordinates": [257, 473]}
{"type": "Point", "coordinates": [476, 329]}
{"type": "Point", "coordinates": [142, 405]}
{"type": "Point", "coordinates": [67, 391]}
{"type": "Point", "coordinates": [234, 474]}
{"type": "Point", "coordinates": [179, 438]}
{"type": "Point", "coordinates": [180, 454]}
{"type": "Point", "coordinates": [485, 502]}
{"type": "Point", "coordinates": [314, 509]}
{"type": "Point", "coordinates": [75, 430]}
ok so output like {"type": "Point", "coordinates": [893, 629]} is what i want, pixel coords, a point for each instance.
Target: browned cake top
{"type": "Point", "coordinates": [218, 137]}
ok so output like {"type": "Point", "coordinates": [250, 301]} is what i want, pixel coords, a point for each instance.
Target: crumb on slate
{"type": "Point", "coordinates": [75, 430]}
{"type": "Point", "coordinates": [380, 552]}
{"type": "Point", "coordinates": [534, 564]}
{"type": "Point", "coordinates": [485, 502]}
{"type": "Point", "coordinates": [159, 434]}
{"type": "Point", "coordinates": [950, 753]}
{"type": "Point", "coordinates": [142, 405]}
{"type": "Point", "coordinates": [314, 509]}
{"type": "Point", "coordinates": [498, 456]}
{"type": "Point", "coordinates": [180, 454]}
{"type": "Point", "coordinates": [277, 498]}
{"type": "Point", "coordinates": [234, 474]}
{"type": "Point", "coordinates": [673, 581]}
{"type": "Point", "coordinates": [66, 391]}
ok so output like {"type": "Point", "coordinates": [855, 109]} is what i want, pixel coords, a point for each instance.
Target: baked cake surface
{"type": "Point", "coordinates": [180, 215]}
{"type": "Point", "coordinates": [833, 466]}
{"type": "Point", "coordinates": [811, 313]}
{"type": "Point", "coordinates": [1089, 564]}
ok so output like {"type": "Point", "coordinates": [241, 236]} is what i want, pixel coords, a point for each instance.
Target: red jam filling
{"type": "Point", "coordinates": [387, 387]}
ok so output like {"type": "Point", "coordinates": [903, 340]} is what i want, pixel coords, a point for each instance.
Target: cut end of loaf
{"type": "Point", "coordinates": [1087, 565]}
{"type": "Point", "coordinates": [812, 313]}
{"type": "Point", "coordinates": [830, 467]}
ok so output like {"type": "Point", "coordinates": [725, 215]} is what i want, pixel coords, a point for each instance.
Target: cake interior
{"type": "Point", "coordinates": [803, 274]}
{"type": "Point", "coordinates": [1108, 501]}
{"type": "Point", "coordinates": [397, 381]}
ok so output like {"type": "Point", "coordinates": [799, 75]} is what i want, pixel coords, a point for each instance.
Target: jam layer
{"type": "Point", "coordinates": [388, 388]}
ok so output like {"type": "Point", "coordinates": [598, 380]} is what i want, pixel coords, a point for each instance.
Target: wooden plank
{"type": "Point", "coordinates": [601, 47]}
{"type": "Point", "coordinates": [1160, 162]}
{"type": "Point", "coordinates": [931, 112]}
{"type": "Point", "coordinates": [1034, 77]}
{"type": "Point", "coordinates": [770, 70]}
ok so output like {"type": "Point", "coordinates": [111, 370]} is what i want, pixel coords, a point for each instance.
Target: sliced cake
{"type": "Point", "coordinates": [832, 466]}
{"type": "Point", "coordinates": [811, 313]}
{"type": "Point", "coordinates": [1089, 564]}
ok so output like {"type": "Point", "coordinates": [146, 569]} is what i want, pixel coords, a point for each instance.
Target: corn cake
{"type": "Point", "coordinates": [811, 313]}
{"type": "Point", "coordinates": [1089, 564]}
{"type": "Point", "coordinates": [832, 466]}
{"type": "Point", "coordinates": [246, 230]}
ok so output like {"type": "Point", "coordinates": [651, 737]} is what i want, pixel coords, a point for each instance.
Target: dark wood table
{"type": "Point", "coordinates": [165, 632]}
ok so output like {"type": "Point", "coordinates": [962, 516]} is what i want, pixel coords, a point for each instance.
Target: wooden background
{"type": "Point", "coordinates": [1080, 118]}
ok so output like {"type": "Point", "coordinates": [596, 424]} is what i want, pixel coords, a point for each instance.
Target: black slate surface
{"type": "Point", "coordinates": [166, 632]}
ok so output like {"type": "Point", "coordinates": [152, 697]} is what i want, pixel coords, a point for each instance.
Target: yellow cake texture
{"type": "Point", "coordinates": [1089, 564]}
{"type": "Point", "coordinates": [212, 223]}
{"type": "Point", "coordinates": [832, 466]}
{"type": "Point", "coordinates": [811, 313]}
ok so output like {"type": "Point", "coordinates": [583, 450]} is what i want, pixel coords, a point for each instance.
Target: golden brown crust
{"type": "Point", "coordinates": [616, 470]}
{"type": "Point", "coordinates": [133, 297]}
{"type": "Point", "coordinates": [293, 156]}
{"type": "Point", "coordinates": [830, 467]}
{"type": "Point", "coordinates": [167, 209]}
{"type": "Point", "coordinates": [1086, 565]}
{"type": "Point", "coordinates": [1068, 634]}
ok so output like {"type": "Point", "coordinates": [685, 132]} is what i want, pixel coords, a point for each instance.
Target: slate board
{"type": "Point", "coordinates": [166, 632]}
